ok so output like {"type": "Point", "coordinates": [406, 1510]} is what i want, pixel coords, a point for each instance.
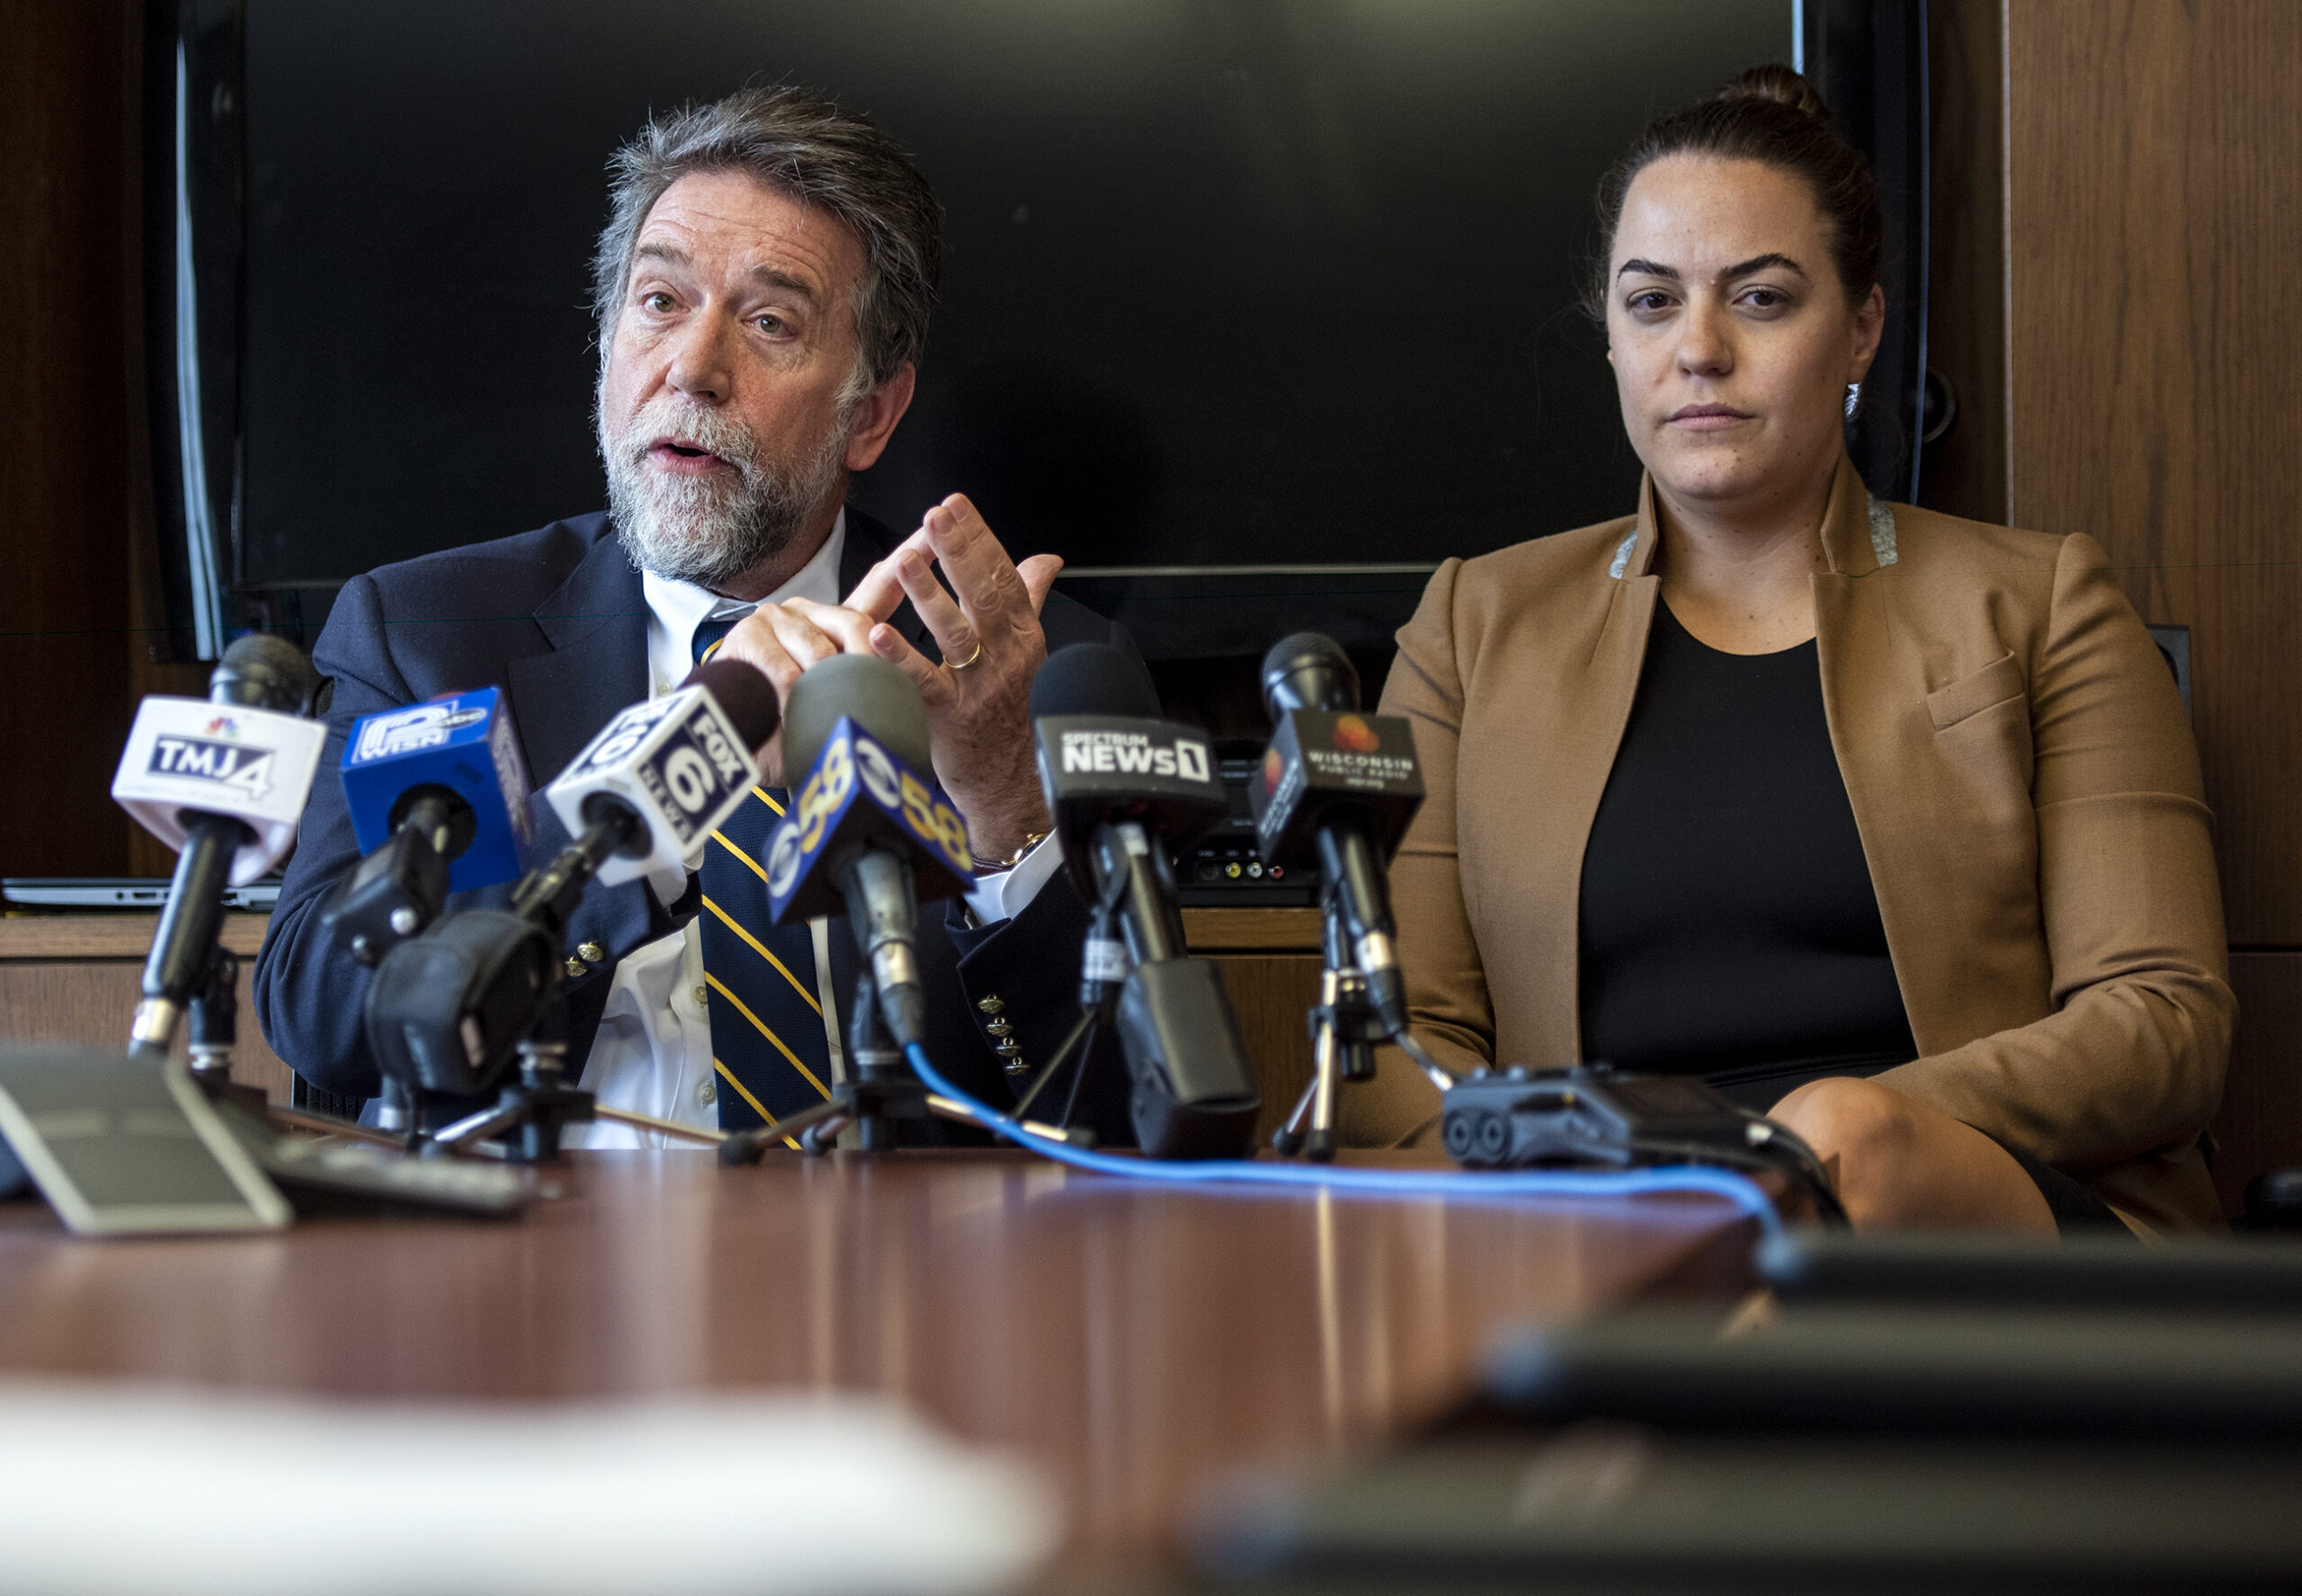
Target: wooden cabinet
{"type": "Point", "coordinates": [77, 977]}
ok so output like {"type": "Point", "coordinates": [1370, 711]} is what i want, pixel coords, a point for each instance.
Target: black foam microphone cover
{"type": "Point", "coordinates": [1094, 679]}
{"type": "Point", "coordinates": [743, 692]}
{"type": "Point", "coordinates": [262, 671]}
{"type": "Point", "coordinates": [1308, 670]}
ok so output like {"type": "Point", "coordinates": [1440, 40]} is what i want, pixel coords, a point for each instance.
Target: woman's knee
{"type": "Point", "coordinates": [1857, 1123]}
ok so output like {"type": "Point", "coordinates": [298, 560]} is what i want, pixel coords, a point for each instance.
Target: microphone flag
{"type": "Point", "coordinates": [680, 763]}
{"type": "Point", "coordinates": [859, 793]}
{"type": "Point", "coordinates": [192, 756]}
{"type": "Point", "coordinates": [1319, 758]}
{"type": "Point", "coordinates": [463, 743]}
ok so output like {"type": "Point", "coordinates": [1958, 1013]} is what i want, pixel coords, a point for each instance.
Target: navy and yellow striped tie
{"type": "Point", "coordinates": [769, 1048]}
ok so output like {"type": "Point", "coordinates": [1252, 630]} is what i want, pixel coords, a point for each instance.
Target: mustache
{"type": "Point", "coordinates": [714, 431]}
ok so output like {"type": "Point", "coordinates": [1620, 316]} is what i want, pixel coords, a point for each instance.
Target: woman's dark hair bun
{"type": "Point", "coordinates": [1782, 84]}
{"type": "Point", "coordinates": [1772, 115]}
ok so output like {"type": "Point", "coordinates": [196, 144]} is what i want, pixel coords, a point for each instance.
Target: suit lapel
{"type": "Point", "coordinates": [1580, 751]}
{"type": "Point", "coordinates": [1874, 677]}
{"type": "Point", "coordinates": [597, 625]}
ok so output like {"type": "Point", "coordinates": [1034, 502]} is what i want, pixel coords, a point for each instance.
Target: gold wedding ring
{"type": "Point", "coordinates": [961, 664]}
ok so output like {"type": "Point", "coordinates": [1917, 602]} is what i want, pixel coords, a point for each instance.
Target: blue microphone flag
{"type": "Point", "coordinates": [464, 743]}
{"type": "Point", "coordinates": [858, 794]}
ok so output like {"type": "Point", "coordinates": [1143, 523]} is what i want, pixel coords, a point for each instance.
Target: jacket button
{"type": "Point", "coordinates": [592, 952]}
{"type": "Point", "coordinates": [576, 967]}
{"type": "Point", "coordinates": [999, 1028]}
{"type": "Point", "coordinates": [992, 1005]}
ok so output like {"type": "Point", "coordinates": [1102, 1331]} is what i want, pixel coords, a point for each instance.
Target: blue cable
{"type": "Point", "coordinates": [1738, 1190]}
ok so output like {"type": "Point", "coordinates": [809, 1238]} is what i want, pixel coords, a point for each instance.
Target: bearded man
{"type": "Point", "coordinates": [764, 287]}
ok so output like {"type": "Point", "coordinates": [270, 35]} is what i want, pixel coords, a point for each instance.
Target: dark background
{"type": "Point", "coordinates": [1227, 280]}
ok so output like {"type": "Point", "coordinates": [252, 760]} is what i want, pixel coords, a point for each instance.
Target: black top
{"type": "Point", "coordinates": [1728, 925]}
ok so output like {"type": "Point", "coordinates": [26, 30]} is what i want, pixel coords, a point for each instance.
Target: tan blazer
{"type": "Point", "coordinates": [2021, 773]}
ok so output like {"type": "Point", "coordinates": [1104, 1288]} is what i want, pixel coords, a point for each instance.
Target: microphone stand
{"type": "Point", "coordinates": [1344, 1029]}
{"type": "Point", "coordinates": [880, 1091]}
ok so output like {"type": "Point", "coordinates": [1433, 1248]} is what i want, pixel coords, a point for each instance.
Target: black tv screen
{"type": "Point", "coordinates": [1227, 282]}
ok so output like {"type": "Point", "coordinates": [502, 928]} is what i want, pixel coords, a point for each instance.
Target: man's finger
{"type": "Point", "coordinates": [880, 593]}
{"type": "Point", "coordinates": [847, 628]}
{"type": "Point", "coordinates": [933, 681]}
{"type": "Point", "coordinates": [801, 637]}
{"type": "Point", "coordinates": [945, 622]}
{"type": "Point", "coordinates": [1039, 574]}
{"type": "Point", "coordinates": [980, 572]}
{"type": "Point", "coordinates": [754, 640]}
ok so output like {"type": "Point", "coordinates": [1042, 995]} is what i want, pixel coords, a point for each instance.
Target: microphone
{"type": "Point", "coordinates": [448, 1009]}
{"type": "Point", "coordinates": [437, 795]}
{"type": "Point", "coordinates": [664, 775]}
{"type": "Point", "coordinates": [1127, 788]}
{"type": "Point", "coordinates": [223, 782]}
{"type": "Point", "coordinates": [1338, 786]}
{"type": "Point", "coordinates": [867, 830]}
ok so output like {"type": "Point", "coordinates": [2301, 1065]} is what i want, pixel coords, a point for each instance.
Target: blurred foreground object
{"type": "Point", "coordinates": [579, 1499]}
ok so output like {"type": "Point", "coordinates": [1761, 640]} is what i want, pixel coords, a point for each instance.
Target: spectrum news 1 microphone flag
{"type": "Point", "coordinates": [1127, 789]}
{"type": "Point", "coordinates": [192, 756]}
{"type": "Point", "coordinates": [463, 745]}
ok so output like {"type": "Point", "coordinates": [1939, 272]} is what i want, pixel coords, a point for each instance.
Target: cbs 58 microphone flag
{"type": "Point", "coordinates": [462, 744]}
{"type": "Point", "coordinates": [681, 763]}
{"type": "Point", "coordinates": [857, 793]}
{"type": "Point", "coordinates": [192, 755]}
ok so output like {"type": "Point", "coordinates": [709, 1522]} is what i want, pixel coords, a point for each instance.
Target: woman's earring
{"type": "Point", "coordinates": [1853, 397]}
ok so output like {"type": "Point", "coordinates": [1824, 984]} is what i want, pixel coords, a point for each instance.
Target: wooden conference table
{"type": "Point", "coordinates": [1140, 1345]}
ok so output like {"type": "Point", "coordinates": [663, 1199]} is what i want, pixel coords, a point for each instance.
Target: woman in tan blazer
{"type": "Point", "coordinates": [2017, 764]}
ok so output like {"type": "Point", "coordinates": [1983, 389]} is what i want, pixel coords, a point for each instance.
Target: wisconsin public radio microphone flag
{"type": "Point", "coordinates": [858, 791]}
{"type": "Point", "coordinates": [190, 754]}
{"type": "Point", "coordinates": [1319, 758]}
{"type": "Point", "coordinates": [463, 743]}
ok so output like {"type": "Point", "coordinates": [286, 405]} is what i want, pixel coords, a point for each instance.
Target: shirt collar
{"type": "Point", "coordinates": [680, 607]}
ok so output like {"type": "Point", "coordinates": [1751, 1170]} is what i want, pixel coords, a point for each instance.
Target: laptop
{"type": "Point", "coordinates": [120, 892]}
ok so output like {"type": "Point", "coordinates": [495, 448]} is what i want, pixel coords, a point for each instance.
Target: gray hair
{"type": "Point", "coordinates": [810, 148]}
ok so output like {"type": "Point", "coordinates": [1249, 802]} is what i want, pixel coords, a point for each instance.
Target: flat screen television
{"type": "Point", "coordinates": [1252, 309]}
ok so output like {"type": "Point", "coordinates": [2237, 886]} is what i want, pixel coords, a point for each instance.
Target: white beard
{"type": "Point", "coordinates": [710, 530]}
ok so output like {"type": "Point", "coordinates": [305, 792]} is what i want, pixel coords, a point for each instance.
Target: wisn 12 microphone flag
{"type": "Point", "coordinates": [859, 795]}
{"type": "Point", "coordinates": [463, 743]}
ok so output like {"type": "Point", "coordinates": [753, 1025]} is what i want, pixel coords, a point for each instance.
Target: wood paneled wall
{"type": "Point", "coordinates": [70, 409]}
{"type": "Point", "coordinates": [2131, 268]}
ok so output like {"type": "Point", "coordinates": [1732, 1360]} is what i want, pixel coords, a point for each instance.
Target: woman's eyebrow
{"type": "Point", "coordinates": [1740, 269]}
{"type": "Point", "coordinates": [1759, 263]}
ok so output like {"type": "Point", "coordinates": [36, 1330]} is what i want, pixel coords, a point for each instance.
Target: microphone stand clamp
{"type": "Point", "coordinates": [1344, 1028]}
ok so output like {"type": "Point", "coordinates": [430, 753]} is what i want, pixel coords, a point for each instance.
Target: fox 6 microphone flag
{"type": "Point", "coordinates": [254, 766]}
{"type": "Point", "coordinates": [678, 761]}
{"type": "Point", "coordinates": [462, 742]}
{"type": "Point", "coordinates": [858, 790]}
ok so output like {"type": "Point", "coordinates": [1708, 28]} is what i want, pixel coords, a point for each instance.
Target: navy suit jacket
{"type": "Point", "coordinates": [557, 619]}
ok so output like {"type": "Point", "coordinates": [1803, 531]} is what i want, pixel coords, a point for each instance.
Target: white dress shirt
{"type": "Point", "coordinates": [653, 1052]}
